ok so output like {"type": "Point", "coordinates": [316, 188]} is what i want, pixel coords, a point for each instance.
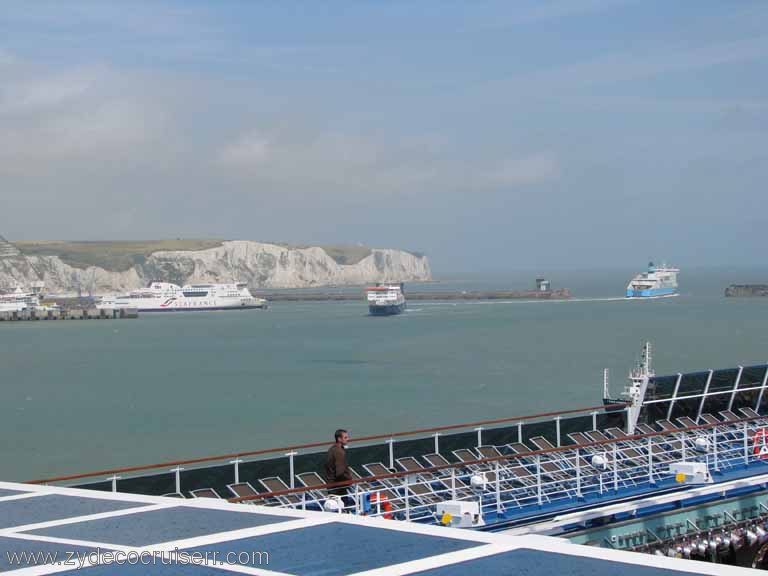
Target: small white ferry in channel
{"type": "Point", "coordinates": [167, 297]}
{"type": "Point", "coordinates": [385, 300]}
{"type": "Point", "coordinates": [657, 282]}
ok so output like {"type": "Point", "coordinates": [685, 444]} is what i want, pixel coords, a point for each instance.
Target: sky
{"type": "Point", "coordinates": [488, 135]}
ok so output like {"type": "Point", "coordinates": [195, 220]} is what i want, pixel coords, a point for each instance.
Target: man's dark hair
{"type": "Point", "coordinates": [338, 433]}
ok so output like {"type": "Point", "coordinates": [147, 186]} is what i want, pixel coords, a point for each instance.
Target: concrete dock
{"type": "Point", "coordinates": [71, 314]}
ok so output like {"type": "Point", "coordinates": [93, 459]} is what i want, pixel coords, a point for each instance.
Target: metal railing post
{"type": "Point", "coordinates": [178, 470]}
{"type": "Point", "coordinates": [407, 500]}
{"type": "Point", "coordinates": [594, 420]}
{"type": "Point", "coordinates": [520, 432]}
{"type": "Point", "coordinates": [557, 429]}
{"type": "Point", "coordinates": [578, 474]}
{"type": "Point", "coordinates": [114, 482]}
{"type": "Point", "coordinates": [626, 415]}
{"type": "Point", "coordinates": [303, 500]}
{"type": "Point", "coordinates": [357, 499]}
{"type": "Point", "coordinates": [479, 436]}
{"type": "Point", "coordinates": [615, 470]}
{"type": "Point", "coordinates": [714, 448]}
{"type": "Point", "coordinates": [236, 462]}
{"type": "Point", "coordinates": [453, 483]}
{"type": "Point", "coordinates": [437, 443]}
{"type": "Point", "coordinates": [498, 489]}
{"type": "Point", "coordinates": [682, 444]}
{"type": "Point", "coordinates": [391, 443]}
{"type": "Point", "coordinates": [290, 468]}
{"type": "Point", "coordinates": [538, 477]}
{"type": "Point", "coordinates": [650, 460]}
{"type": "Point", "coordinates": [746, 447]}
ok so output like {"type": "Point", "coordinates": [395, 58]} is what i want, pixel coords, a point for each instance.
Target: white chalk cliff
{"type": "Point", "coordinates": [261, 265]}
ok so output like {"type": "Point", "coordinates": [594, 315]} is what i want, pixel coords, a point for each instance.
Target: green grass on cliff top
{"type": "Point", "coordinates": [119, 256]}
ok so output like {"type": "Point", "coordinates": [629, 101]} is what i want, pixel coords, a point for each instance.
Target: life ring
{"type": "Point", "coordinates": [382, 500]}
{"type": "Point", "coordinates": [760, 444]}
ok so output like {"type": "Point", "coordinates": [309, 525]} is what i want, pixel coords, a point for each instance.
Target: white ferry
{"type": "Point", "coordinates": [657, 282]}
{"type": "Point", "coordinates": [167, 297]}
{"type": "Point", "coordinates": [19, 299]}
{"type": "Point", "coordinates": [386, 300]}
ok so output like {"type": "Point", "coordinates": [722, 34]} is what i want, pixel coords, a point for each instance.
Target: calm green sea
{"type": "Point", "coordinates": [81, 396]}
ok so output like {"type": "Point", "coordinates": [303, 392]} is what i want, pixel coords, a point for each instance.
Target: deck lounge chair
{"type": "Point", "coordinates": [312, 480]}
{"type": "Point", "coordinates": [243, 489]}
{"type": "Point", "coordinates": [276, 484]}
{"type": "Point", "coordinates": [173, 495]}
{"type": "Point", "coordinates": [205, 493]}
{"type": "Point", "coordinates": [750, 413]}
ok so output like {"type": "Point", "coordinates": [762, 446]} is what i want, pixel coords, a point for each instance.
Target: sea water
{"type": "Point", "coordinates": [91, 395]}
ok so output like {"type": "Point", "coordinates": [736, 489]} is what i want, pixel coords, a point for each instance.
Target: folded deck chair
{"type": "Point", "coordinates": [725, 427]}
{"type": "Point", "coordinates": [686, 422]}
{"type": "Point", "coordinates": [361, 486]}
{"type": "Point", "coordinates": [424, 494]}
{"type": "Point", "coordinates": [394, 500]}
{"type": "Point", "coordinates": [276, 484]}
{"type": "Point", "coordinates": [750, 413]}
{"type": "Point", "coordinates": [645, 429]}
{"type": "Point", "coordinates": [627, 453]}
{"type": "Point", "coordinates": [378, 469]}
{"type": "Point", "coordinates": [579, 438]}
{"type": "Point", "coordinates": [447, 473]}
{"type": "Point", "coordinates": [556, 466]}
{"type": "Point", "coordinates": [488, 451]}
{"type": "Point", "coordinates": [641, 444]}
{"type": "Point", "coordinates": [242, 489]}
{"type": "Point", "coordinates": [729, 416]}
{"type": "Point", "coordinates": [205, 493]}
{"type": "Point", "coordinates": [466, 455]}
{"type": "Point", "coordinates": [667, 426]}
{"type": "Point", "coordinates": [520, 448]}
{"type": "Point", "coordinates": [314, 480]}
{"type": "Point", "coordinates": [411, 464]}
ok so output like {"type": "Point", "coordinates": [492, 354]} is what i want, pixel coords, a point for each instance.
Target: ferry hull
{"type": "Point", "coordinates": [389, 310]}
{"type": "Point", "coordinates": [205, 308]}
{"type": "Point", "coordinates": [651, 293]}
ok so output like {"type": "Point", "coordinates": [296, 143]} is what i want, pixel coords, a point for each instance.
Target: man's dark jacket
{"type": "Point", "coordinates": [336, 469]}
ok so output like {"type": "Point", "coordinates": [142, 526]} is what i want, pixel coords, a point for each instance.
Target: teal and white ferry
{"type": "Point", "coordinates": [657, 282]}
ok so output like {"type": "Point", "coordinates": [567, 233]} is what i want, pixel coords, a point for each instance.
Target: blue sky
{"type": "Point", "coordinates": [490, 135]}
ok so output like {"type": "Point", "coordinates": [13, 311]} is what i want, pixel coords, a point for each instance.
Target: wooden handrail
{"type": "Point", "coordinates": [237, 455]}
{"type": "Point", "coordinates": [570, 447]}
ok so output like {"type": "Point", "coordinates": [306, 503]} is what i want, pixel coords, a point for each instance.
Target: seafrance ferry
{"type": "Point", "coordinates": [386, 300]}
{"type": "Point", "coordinates": [677, 466]}
{"type": "Point", "coordinates": [658, 281]}
{"type": "Point", "coordinates": [167, 297]}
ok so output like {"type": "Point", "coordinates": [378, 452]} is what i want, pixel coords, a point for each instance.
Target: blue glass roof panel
{"type": "Point", "coordinates": [163, 525]}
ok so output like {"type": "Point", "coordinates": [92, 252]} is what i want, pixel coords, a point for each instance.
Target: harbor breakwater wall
{"type": "Point", "coordinates": [115, 269]}
{"type": "Point", "coordinates": [746, 290]}
{"type": "Point", "coordinates": [558, 294]}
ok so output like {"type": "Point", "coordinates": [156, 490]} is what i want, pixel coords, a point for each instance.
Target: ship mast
{"type": "Point", "coordinates": [639, 377]}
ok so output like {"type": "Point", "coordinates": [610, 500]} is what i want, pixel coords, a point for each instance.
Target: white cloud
{"type": "Point", "coordinates": [524, 170]}
{"type": "Point", "coordinates": [90, 115]}
{"type": "Point", "coordinates": [245, 152]}
{"type": "Point", "coordinates": [43, 92]}
{"type": "Point", "coordinates": [6, 58]}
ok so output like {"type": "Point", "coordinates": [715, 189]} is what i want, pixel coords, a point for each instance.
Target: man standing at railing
{"type": "Point", "coordinates": [336, 469]}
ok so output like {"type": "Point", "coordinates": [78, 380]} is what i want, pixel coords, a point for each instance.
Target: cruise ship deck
{"type": "Point", "coordinates": [57, 530]}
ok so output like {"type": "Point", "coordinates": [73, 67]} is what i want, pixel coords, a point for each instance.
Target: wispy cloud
{"type": "Point", "coordinates": [534, 169]}
{"type": "Point", "coordinates": [651, 61]}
